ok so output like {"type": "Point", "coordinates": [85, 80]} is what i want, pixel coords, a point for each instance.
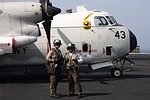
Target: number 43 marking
{"type": "Point", "coordinates": [120, 35]}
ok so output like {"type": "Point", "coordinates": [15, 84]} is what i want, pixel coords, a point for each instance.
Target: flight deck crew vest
{"type": "Point", "coordinates": [55, 56]}
{"type": "Point", "coordinates": [71, 60]}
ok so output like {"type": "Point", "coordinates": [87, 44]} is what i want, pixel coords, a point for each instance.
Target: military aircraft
{"type": "Point", "coordinates": [98, 37]}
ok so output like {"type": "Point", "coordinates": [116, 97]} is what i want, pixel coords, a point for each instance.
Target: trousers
{"type": "Point", "coordinates": [74, 82]}
{"type": "Point", "coordinates": [54, 80]}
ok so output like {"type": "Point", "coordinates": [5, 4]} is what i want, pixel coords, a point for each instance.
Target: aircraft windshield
{"type": "Point", "coordinates": [99, 20]}
{"type": "Point", "coordinates": [111, 20]}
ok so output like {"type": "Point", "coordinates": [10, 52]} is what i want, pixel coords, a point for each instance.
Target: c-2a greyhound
{"type": "Point", "coordinates": [98, 37]}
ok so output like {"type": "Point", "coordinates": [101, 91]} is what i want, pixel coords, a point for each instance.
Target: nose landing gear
{"type": "Point", "coordinates": [116, 72]}
{"type": "Point", "coordinates": [117, 69]}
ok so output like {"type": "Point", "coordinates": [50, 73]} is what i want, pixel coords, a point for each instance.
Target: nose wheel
{"type": "Point", "coordinates": [117, 69]}
{"type": "Point", "coordinates": [116, 72]}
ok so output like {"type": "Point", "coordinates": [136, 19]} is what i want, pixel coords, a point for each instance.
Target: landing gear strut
{"type": "Point", "coordinates": [117, 70]}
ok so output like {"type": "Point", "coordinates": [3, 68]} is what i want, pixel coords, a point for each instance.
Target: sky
{"type": "Point", "coordinates": [134, 14]}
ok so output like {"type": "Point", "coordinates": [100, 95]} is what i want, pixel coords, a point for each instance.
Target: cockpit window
{"type": "Point", "coordinates": [99, 20]}
{"type": "Point", "coordinates": [111, 20]}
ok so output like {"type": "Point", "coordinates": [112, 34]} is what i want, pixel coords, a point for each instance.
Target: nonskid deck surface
{"type": "Point", "coordinates": [33, 83]}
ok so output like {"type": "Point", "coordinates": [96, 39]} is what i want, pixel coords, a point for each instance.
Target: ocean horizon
{"type": "Point", "coordinates": [144, 51]}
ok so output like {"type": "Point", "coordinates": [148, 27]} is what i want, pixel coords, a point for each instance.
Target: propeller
{"type": "Point", "coordinates": [48, 12]}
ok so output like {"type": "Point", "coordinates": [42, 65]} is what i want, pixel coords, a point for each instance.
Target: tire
{"type": "Point", "coordinates": [116, 72]}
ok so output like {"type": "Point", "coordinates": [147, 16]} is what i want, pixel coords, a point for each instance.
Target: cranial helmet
{"type": "Point", "coordinates": [57, 42]}
{"type": "Point", "coordinates": [71, 46]}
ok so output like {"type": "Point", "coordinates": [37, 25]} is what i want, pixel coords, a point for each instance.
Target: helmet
{"type": "Point", "coordinates": [71, 46]}
{"type": "Point", "coordinates": [57, 42]}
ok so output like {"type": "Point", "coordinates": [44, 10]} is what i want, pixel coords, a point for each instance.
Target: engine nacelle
{"type": "Point", "coordinates": [24, 40]}
{"type": "Point", "coordinates": [8, 43]}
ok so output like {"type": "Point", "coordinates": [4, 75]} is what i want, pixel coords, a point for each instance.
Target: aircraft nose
{"type": "Point", "coordinates": [133, 41]}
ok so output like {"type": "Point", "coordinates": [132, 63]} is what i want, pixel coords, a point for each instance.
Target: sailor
{"type": "Point", "coordinates": [72, 60]}
{"type": "Point", "coordinates": [54, 61]}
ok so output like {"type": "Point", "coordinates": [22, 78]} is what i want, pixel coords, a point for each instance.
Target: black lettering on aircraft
{"type": "Point", "coordinates": [17, 50]}
{"type": "Point", "coordinates": [24, 49]}
{"type": "Point", "coordinates": [120, 34]}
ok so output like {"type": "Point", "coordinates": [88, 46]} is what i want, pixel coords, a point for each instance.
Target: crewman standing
{"type": "Point", "coordinates": [54, 61]}
{"type": "Point", "coordinates": [72, 60]}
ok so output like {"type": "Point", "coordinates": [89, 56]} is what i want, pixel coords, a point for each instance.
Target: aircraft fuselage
{"type": "Point", "coordinates": [96, 34]}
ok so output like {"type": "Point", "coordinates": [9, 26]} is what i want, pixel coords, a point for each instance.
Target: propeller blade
{"type": "Point", "coordinates": [42, 1]}
{"type": "Point", "coordinates": [48, 12]}
{"type": "Point", "coordinates": [48, 9]}
{"type": "Point", "coordinates": [47, 27]}
{"type": "Point", "coordinates": [52, 11]}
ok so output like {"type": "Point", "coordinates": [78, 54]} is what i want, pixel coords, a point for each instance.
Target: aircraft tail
{"type": "Point", "coordinates": [81, 8]}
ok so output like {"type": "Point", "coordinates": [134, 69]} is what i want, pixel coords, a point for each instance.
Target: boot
{"type": "Point", "coordinates": [55, 96]}
{"type": "Point", "coordinates": [71, 94]}
{"type": "Point", "coordinates": [79, 96]}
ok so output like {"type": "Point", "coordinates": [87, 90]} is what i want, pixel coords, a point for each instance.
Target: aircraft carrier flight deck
{"type": "Point", "coordinates": [32, 83]}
